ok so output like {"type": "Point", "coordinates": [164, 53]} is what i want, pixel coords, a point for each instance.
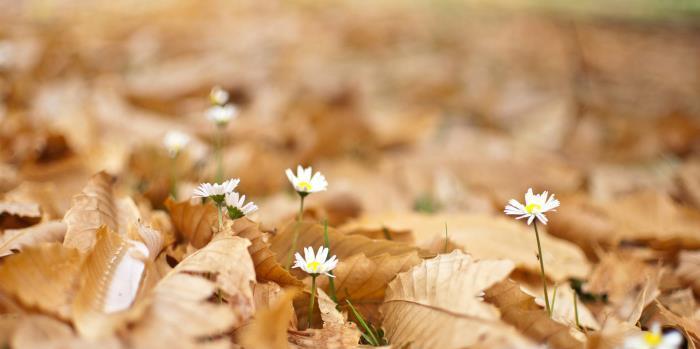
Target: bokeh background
{"type": "Point", "coordinates": [404, 105]}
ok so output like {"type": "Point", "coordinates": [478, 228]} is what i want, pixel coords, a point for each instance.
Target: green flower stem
{"type": "Point", "coordinates": [221, 219]}
{"type": "Point", "coordinates": [368, 330]}
{"type": "Point", "coordinates": [219, 156]}
{"type": "Point", "coordinates": [331, 280]}
{"type": "Point", "coordinates": [578, 324]}
{"type": "Point", "coordinates": [313, 298]}
{"type": "Point", "coordinates": [173, 176]}
{"type": "Point", "coordinates": [296, 231]}
{"type": "Point", "coordinates": [544, 277]}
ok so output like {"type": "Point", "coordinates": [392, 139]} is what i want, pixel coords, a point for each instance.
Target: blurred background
{"type": "Point", "coordinates": [403, 105]}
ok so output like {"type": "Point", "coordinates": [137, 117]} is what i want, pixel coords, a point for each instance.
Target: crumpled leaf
{"type": "Point", "coordinates": [267, 268]}
{"type": "Point", "coordinates": [341, 245]}
{"type": "Point", "coordinates": [94, 207]}
{"type": "Point", "coordinates": [179, 313]}
{"type": "Point", "coordinates": [337, 332]}
{"type": "Point", "coordinates": [689, 269]}
{"type": "Point", "coordinates": [364, 280]}
{"type": "Point", "coordinates": [15, 215]}
{"type": "Point", "coordinates": [490, 237]}
{"type": "Point", "coordinates": [38, 331]}
{"type": "Point", "coordinates": [43, 277]}
{"type": "Point", "coordinates": [268, 330]}
{"type": "Point", "coordinates": [520, 310]}
{"type": "Point", "coordinates": [193, 222]}
{"type": "Point", "coordinates": [18, 239]}
{"type": "Point", "coordinates": [441, 297]}
{"type": "Point", "coordinates": [111, 279]}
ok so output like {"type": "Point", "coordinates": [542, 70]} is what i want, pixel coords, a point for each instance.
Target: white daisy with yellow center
{"type": "Point", "coordinates": [216, 191]}
{"type": "Point", "coordinates": [315, 264]}
{"type": "Point", "coordinates": [304, 183]}
{"type": "Point", "coordinates": [536, 205]}
{"type": "Point", "coordinates": [655, 339]}
{"type": "Point", "coordinates": [175, 141]}
{"type": "Point", "coordinates": [236, 206]}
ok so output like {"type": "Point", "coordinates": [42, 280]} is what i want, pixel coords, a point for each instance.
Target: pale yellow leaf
{"type": "Point", "coordinates": [18, 239]}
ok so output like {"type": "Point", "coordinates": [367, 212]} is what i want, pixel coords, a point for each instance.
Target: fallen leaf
{"type": "Point", "coordinates": [689, 269]}
{"type": "Point", "coordinates": [43, 277]}
{"type": "Point", "coordinates": [268, 330]}
{"type": "Point", "coordinates": [490, 237]}
{"type": "Point", "coordinates": [193, 222]}
{"type": "Point", "coordinates": [14, 215]}
{"type": "Point", "coordinates": [656, 312]}
{"type": "Point", "coordinates": [38, 331]}
{"type": "Point", "coordinates": [520, 310]}
{"type": "Point", "coordinates": [94, 207]}
{"type": "Point", "coordinates": [337, 332]}
{"type": "Point", "coordinates": [564, 311]}
{"type": "Point", "coordinates": [18, 239]}
{"type": "Point", "coordinates": [441, 297]}
{"type": "Point", "coordinates": [267, 268]}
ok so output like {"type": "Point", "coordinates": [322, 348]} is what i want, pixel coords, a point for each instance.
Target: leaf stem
{"type": "Point", "coordinates": [544, 277]}
{"type": "Point", "coordinates": [313, 298]}
{"type": "Point", "coordinates": [296, 232]}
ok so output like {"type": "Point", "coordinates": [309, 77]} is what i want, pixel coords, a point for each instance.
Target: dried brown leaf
{"type": "Point", "coordinates": [441, 297]}
{"type": "Point", "coordinates": [269, 328]}
{"type": "Point", "coordinates": [94, 207]}
{"type": "Point", "coordinates": [689, 269]}
{"type": "Point", "coordinates": [14, 215]}
{"type": "Point", "coordinates": [43, 276]}
{"type": "Point", "coordinates": [520, 310]}
{"type": "Point", "coordinates": [18, 239]}
{"type": "Point", "coordinates": [267, 268]}
{"type": "Point", "coordinates": [193, 222]}
{"type": "Point", "coordinates": [336, 333]}
{"type": "Point", "coordinates": [656, 312]}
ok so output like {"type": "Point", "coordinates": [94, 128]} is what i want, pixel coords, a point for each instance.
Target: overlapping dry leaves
{"type": "Point", "coordinates": [425, 119]}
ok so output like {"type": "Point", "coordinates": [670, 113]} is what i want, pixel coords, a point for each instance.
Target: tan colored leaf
{"type": "Point", "coordinates": [193, 222]}
{"type": "Point", "coordinates": [341, 245]}
{"type": "Point", "coordinates": [15, 215]}
{"type": "Point", "coordinates": [269, 328]}
{"type": "Point", "coordinates": [179, 313]}
{"type": "Point", "coordinates": [491, 237]}
{"type": "Point", "coordinates": [337, 332]}
{"type": "Point", "coordinates": [94, 207]}
{"type": "Point", "coordinates": [656, 312]}
{"type": "Point", "coordinates": [18, 239]}
{"type": "Point", "coordinates": [689, 182]}
{"type": "Point", "coordinates": [612, 335]}
{"type": "Point", "coordinates": [364, 280]}
{"type": "Point", "coordinates": [43, 276]}
{"type": "Point", "coordinates": [564, 311]}
{"type": "Point", "coordinates": [111, 280]}
{"type": "Point", "coordinates": [681, 302]}
{"type": "Point", "coordinates": [267, 268]}
{"type": "Point", "coordinates": [689, 269]}
{"type": "Point", "coordinates": [520, 310]}
{"type": "Point", "coordinates": [38, 331]}
{"type": "Point", "coordinates": [441, 298]}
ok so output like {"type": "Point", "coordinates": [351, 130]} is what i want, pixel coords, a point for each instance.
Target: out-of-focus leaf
{"type": "Point", "coordinates": [268, 330]}
{"type": "Point", "coordinates": [15, 215]}
{"type": "Point", "coordinates": [193, 222]}
{"type": "Point", "coordinates": [18, 239]}
{"type": "Point", "coordinates": [689, 269]}
{"type": "Point", "coordinates": [43, 276]}
{"type": "Point", "coordinates": [441, 297]}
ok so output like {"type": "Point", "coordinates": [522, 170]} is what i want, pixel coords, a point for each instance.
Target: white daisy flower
{"type": "Point", "coordinates": [218, 96]}
{"type": "Point", "coordinates": [221, 115]}
{"type": "Point", "coordinates": [175, 141]}
{"type": "Point", "coordinates": [236, 207]}
{"type": "Point", "coordinates": [535, 206]}
{"type": "Point", "coordinates": [216, 191]}
{"type": "Point", "coordinates": [304, 183]}
{"type": "Point", "coordinates": [317, 264]}
{"type": "Point", "coordinates": [654, 339]}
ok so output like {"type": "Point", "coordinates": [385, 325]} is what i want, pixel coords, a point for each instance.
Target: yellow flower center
{"type": "Point", "coordinates": [304, 186]}
{"type": "Point", "coordinates": [533, 208]}
{"type": "Point", "coordinates": [313, 266]}
{"type": "Point", "coordinates": [652, 339]}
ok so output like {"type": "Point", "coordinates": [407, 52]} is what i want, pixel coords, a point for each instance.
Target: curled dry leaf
{"type": "Point", "coordinates": [193, 222]}
{"type": "Point", "coordinates": [341, 245]}
{"type": "Point", "coordinates": [656, 312]}
{"type": "Point", "coordinates": [94, 207]}
{"type": "Point", "coordinates": [490, 237]}
{"type": "Point", "coordinates": [441, 297]}
{"type": "Point", "coordinates": [179, 312]}
{"type": "Point", "coordinates": [43, 277]}
{"type": "Point", "coordinates": [337, 332]}
{"type": "Point", "coordinates": [267, 268]}
{"type": "Point", "coordinates": [268, 330]}
{"type": "Point", "coordinates": [111, 279]}
{"type": "Point", "coordinates": [364, 280]}
{"type": "Point", "coordinates": [18, 214]}
{"type": "Point", "coordinates": [18, 239]}
{"type": "Point", "coordinates": [520, 310]}
{"type": "Point", "coordinates": [689, 269]}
